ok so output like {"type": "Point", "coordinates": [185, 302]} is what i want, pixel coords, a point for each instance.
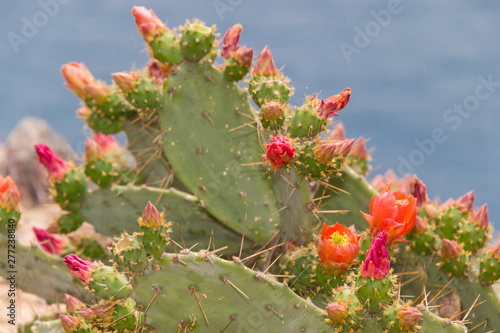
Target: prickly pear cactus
{"type": "Point", "coordinates": [232, 211]}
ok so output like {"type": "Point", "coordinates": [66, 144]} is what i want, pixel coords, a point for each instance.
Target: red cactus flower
{"type": "Point", "coordinates": [56, 167]}
{"type": "Point", "coordinates": [377, 264]}
{"type": "Point", "coordinates": [280, 151]}
{"type": "Point", "coordinates": [450, 250]}
{"type": "Point", "coordinates": [326, 151]}
{"type": "Point", "coordinates": [151, 217]}
{"type": "Point", "coordinates": [82, 83]}
{"type": "Point", "coordinates": [329, 108]}
{"type": "Point", "coordinates": [9, 194]}
{"type": "Point", "coordinates": [336, 312]}
{"type": "Point", "coordinates": [408, 317]}
{"type": "Point", "coordinates": [394, 212]}
{"type": "Point", "coordinates": [148, 24]}
{"type": "Point", "coordinates": [480, 217]}
{"type": "Point", "coordinates": [265, 64]}
{"type": "Point", "coordinates": [73, 304]}
{"type": "Point", "coordinates": [49, 242]}
{"type": "Point", "coordinates": [337, 247]}
{"type": "Point", "coordinates": [230, 41]}
{"type": "Point", "coordinates": [80, 268]}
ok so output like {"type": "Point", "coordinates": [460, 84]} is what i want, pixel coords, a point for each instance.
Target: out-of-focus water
{"type": "Point", "coordinates": [425, 75]}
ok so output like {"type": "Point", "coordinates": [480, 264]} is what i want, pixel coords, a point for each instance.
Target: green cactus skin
{"type": "Point", "coordinates": [234, 71]}
{"type": "Point", "coordinates": [71, 189]}
{"type": "Point", "coordinates": [155, 240]}
{"type": "Point", "coordinates": [229, 294]}
{"type": "Point", "coordinates": [450, 222]}
{"type": "Point", "coordinates": [196, 41]}
{"type": "Point", "coordinates": [167, 48]}
{"type": "Point", "coordinates": [472, 236]}
{"type": "Point", "coordinates": [194, 222]}
{"type": "Point", "coordinates": [46, 326]}
{"type": "Point", "coordinates": [107, 283]}
{"type": "Point", "coordinates": [41, 273]}
{"type": "Point", "coordinates": [305, 123]}
{"type": "Point", "coordinates": [100, 172]}
{"type": "Point", "coordinates": [220, 178]}
{"type": "Point", "coordinates": [373, 293]}
{"type": "Point", "coordinates": [145, 97]}
{"type": "Point", "coordinates": [489, 269]}
{"type": "Point", "coordinates": [5, 217]}
{"type": "Point", "coordinates": [129, 253]}
{"type": "Point", "coordinates": [109, 116]}
{"type": "Point", "coordinates": [69, 222]}
{"type": "Point", "coordinates": [265, 89]}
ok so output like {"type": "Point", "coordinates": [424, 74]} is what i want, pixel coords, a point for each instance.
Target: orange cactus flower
{"type": "Point", "coordinates": [337, 247]}
{"type": "Point", "coordinates": [9, 194]}
{"type": "Point", "coordinates": [394, 212]}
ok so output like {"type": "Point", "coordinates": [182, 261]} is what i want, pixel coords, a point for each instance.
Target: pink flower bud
{"type": "Point", "coordinates": [420, 226]}
{"type": "Point", "coordinates": [377, 264]}
{"type": "Point", "coordinates": [84, 113]}
{"type": "Point", "coordinates": [104, 312]}
{"type": "Point", "coordinates": [272, 111]}
{"type": "Point", "coordinates": [92, 151]}
{"type": "Point", "coordinates": [87, 314]}
{"type": "Point", "coordinates": [56, 167]}
{"type": "Point", "coordinates": [337, 133]}
{"type": "Point", "coordinates": [450, 250]}
{"type": "Point", "coordinates": [9, 194]}
{"type": "Point", "coordinates": [244, 56]}
{"type": "Point", "coordinates": [418, 190]}
{"type": "Point", "coordinates": [495, 251]}
{"type": "Point", "coordinates": [466, 202]}
{"type": "Point", "coordinates": [151, 217]}
{"type": "Point", "coordinates": [480, 216]}
{"type": "Point", "coordinates": [265, 64]}
{"type": "Point", "coordinates": [280, 151]}
{"type": "Point", "coordinates": [358, 149]}
{"type": "Point", "coordinates": [80, 268]}
{"type": "Point", "coordinates": [325, 152]}
{"type": "Point", "coordinates": [70, 324]}
{"type": "Point", "coordinates": [431, 210]}
{"type": "Point", "coordinates": [49, 242]}
{"type": "Point", "coordinates": [230, 41]}
{"type": "Point", "coordinates": [73, 304]}
{"type": "Point", "coordinates": [337, 312]}
{"type": "Point", "coordinates": [148, 24]}
{"type": "Point", "coordinates": [126, 81]}
{"type": "Point", "coordinates": [329, 108]}
{"type": "Point", "coordinates": [408, 317]}
{"type": "Point", "coordinates": [82, 83]}
{"type": "Point", "coordinates": [106, 142]}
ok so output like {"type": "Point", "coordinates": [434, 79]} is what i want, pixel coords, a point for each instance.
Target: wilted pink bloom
{"type": "Point", "coordinates": [80, 268]}
{"type": "Point", "coordinates": [418, 190]}
{"type": "Point", "coordinates": [230, 41]}
{"type": "Point", "coordinates": [450, 250]}
{"type": "Point", "coordinates": [265, 64]}
{"type": "Point", "coordinates": [49, 242]}
{"type": "Point", "coordinates": [87, 314]}
{"type": "Point", "coordinates": [325, 152]}
{"type": "Point", "coordinates": [56, 167]}
{"type": "Point", "coordinates": [377, 264]}
{"type": "Point", "coordinates": [329, 108]}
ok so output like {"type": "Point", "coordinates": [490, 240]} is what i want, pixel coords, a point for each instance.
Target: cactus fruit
{"type": "Point", "coordinates": [214, 179]}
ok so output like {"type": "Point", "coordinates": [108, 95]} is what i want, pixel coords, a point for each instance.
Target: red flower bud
{"type": "Point", "coordinates": [49, 242]}
{"type": "Point", "coordinates": [148, 24]}
{"type": "Point", "coordinates": [9, 194]}
{"type": "Point", "coordinates": [377, 264]}
{"type": "Point", "coordinates": [329, 108]}
{"type": "Point", "coordinates": [80, 268]}
{"type": "Point", "coordinates": [394, 212]}
{"type": "Point", "coordinates": [280, 151]}
{"type": "Point", "coordinates": [265, 64]}
{"type": "Point", "coordinates": [337, 248]}
{"type": "Point", "coordinates": [450, 250]}
{"type": "Point", "coordinates": [56, 167]}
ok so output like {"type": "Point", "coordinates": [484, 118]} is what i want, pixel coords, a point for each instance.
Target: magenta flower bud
{"type": "Point", "coordinates": [336, 312]}
{"type": "Point", "coordinates": [244, 56]}
{"type": "Point", "coordinates": [265, 64]}
{"type": "Point", "coordinates": [272, 111]}
{"type": "Point", "coordinates": [480, 217]}
{"type": "Point", "coordinates": [84, 113]}
{"type": "Point", "coordinates": [326, 151]}
{"type": "Point", "coordinates": [49, 242]}
{"type": "Point", "coordinates": [418, 191]}
{"type": "Point", "coordinates": [70, 324]}
{"type": "Point", "coordinates": [466, 202]}
{"type": "Point", "coordinates": [337, 133]}
{"type": "Point", "coordinates": [280, 151]}
{"type": "Point", "coordinates": [377, 264]}
{"type": "Point", "coordinates": [408, 317]}
{"type": "Point", "coordinates": [80, 268]}
{"type": "Point", "coordinates": [151, 217]}
{"type": "Point", "coordinates": [230, 41]}
{"type": "Point", "coordinates": [73, 304]}
{"type": "Point", "coordinates": [329, 108]}
{"type": "Point", "coordinates": [148, 24]}
{"type": "Point", "coordinates": [126, 81]}
{"type": "Point", "coordinates": [450, 250]}
{"type": "Point", "coordinates": [358, 149]}
{"type": "Point", "coordinates": [56, 167]}
{"type": "Point", "coordinates": [87, 314]}
{"type": "Point", "coordinates": [106, 142]}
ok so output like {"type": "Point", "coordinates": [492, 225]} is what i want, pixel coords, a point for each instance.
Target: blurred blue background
{"type": "Point", "coordinates": [415, 68]}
